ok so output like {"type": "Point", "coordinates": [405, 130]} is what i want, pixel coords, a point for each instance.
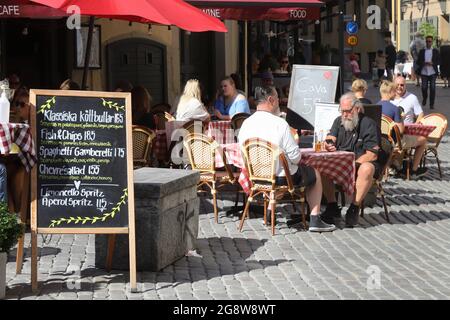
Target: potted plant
{"type": "Point", "coordinates": [10, 231]}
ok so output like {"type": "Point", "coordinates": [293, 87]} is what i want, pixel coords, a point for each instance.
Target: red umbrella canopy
{"type": "Point", "coordinates": [167, 12]}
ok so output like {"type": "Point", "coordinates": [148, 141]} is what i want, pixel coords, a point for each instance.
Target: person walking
{"type": "Point", "coordinates": [414, 48]}
{"type": "Point", "coordinates": [391, 57]}
{"type": "Point", "coordinates": [428, 62]}
{"type": "Point", "coordinates": [445, 63]}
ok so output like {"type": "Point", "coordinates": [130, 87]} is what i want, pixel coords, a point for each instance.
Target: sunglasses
{"type": "Point", "coordinates": [284, 61]}
{"type": "Point", "coordinates": [400, 85]}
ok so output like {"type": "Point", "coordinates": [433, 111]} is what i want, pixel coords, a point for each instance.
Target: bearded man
{"type": "Point", "coordinates": [354, 132]}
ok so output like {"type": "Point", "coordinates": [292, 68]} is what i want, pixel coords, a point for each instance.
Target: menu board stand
{"type": "Point", "coordinates": [83, 182]}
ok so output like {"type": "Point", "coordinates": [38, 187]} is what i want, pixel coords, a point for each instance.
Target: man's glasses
{"type": "Point", "coordinates": [400, 85]}
{"type": "Point", "coordinates": [284, 62]}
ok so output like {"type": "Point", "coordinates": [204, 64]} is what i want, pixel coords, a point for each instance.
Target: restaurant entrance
{"type": "Point", "coordinates": [37, 51]}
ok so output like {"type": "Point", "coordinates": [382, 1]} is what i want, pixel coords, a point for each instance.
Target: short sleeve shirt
{"type": "Point", "coordinates": [238, 105]}
{"type": "Point", "coordinates": [391, 110]}
{"type": "Point", "coordinates": [365, 137]}
{"type": "Point", "coordinates": [410, 104]}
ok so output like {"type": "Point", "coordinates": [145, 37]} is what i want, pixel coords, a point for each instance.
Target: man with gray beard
{"type": "Point", "coordinates": [355, 132]}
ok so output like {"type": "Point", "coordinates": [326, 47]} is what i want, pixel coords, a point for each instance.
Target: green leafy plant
{"type": "Point", "coordinates": [10, 228]}
{"type": "Point", "coordinates": [427, 29]}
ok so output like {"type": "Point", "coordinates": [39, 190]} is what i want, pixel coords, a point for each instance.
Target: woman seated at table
{"type": "Point", "coordinates": [230, 101]}
{"type": "Point", "coordinates": [190, 106]}
{"type": "Point", "coordinates": [140, 102]}
{"type": "Point", "coordinates": [19, 113]}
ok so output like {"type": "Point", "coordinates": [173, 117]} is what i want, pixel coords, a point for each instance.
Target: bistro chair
{"type": "Point", "coordinates": [435, 137]}
{"type": "Point", "coordinates": [400, 153]}
{"type": "Point", "coordinates": [386, 125]}
{"type": "Point", "coordinates": [201, 151]}
{"type": "Point", "coordinates": [238, 119]}
{"type": "Point", "coordinates": [387, 145]}
{"type": "Point", "coordinates": [260, 158]}
{"type": "Point", "coordinates": [161, 108]}
{"type": "Point", "coordinates": [142, 145]}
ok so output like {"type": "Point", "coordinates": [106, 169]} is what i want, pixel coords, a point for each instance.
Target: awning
{"type": "Point", "coordinates": [23, 9]}
{"type": "Point", "coordinates": [282, 10]}
{"type": "Point", "coordinates": [261, 13]}
{"type": "Point", "coordinates": [256, 3]}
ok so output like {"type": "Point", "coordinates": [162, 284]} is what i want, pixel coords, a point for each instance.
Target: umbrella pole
{"type": "Point", "coordinates": [88, 52]}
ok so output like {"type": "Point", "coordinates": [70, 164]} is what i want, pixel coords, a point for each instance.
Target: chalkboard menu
{"type": "Point", "coordinates": [83, 181]}
{"type": "Point", "coordinates": [310, 84]}
{"type": "Point", "coordinates": [82, 174]}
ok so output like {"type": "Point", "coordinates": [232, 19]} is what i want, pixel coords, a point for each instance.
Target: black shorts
{"type": "Point", "coordinates": [303, 177]}
{"type": "Point", "coordinates": [377, 166]}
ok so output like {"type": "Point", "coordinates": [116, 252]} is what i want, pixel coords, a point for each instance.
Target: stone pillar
{"type": "Point", "coordinates": [166, 209]}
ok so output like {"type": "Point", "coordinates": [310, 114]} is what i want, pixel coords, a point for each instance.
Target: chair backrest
{"type": "Point", "coordinates": [201, 151]}
{"type": "Point", "coordinates": [396, 136]}
{"type": "Point", "coordinates": [438, 120]}
{"type": "Point", "coordinates": [260, 159]}
{"type": "Point", "coordinates": [160, 120]}
{"type": "Point", "coordinates": [161, 108]}
{"type": "Point", "coordinates": [191, 125]}
{"type": "Point", "coordinates": [386, 125]}
{"type": "Point", "coordinates": [387, 146]}
{"type": "Point", "coordinates": [238, 119]}
{"type": "Point", "coordinates": [142, 144]}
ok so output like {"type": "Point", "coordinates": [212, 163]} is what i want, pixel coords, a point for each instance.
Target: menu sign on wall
{"type": "Point", "coordinates": [83, 180]}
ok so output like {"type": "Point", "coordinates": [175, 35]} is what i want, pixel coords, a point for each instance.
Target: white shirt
{"type": "Point", "coordinates": [428, 70]}
{"type": "Point", "coordinates": [191, 110]}
{"type": "Point", "coordinates": [410, 104]}
{"type": "Point", "coordinates": [275, 130]}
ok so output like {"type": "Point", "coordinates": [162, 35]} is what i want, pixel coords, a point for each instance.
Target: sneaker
{"type": "Point", "coordinates": [420, 172]}
{"type": "Point", "coordinates": [317, 225]}
{"type": "Point", "coordinates": [352, 216]}
{"type": "Point", "coordinates": [332, 212]}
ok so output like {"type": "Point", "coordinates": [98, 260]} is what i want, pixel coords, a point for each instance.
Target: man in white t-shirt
{"type": "Point", "coordinates": [412, 112]}
{"type": "Point", "coordinates": [412, 109]}
{"type": "Point", "coordinates": [267, 125]}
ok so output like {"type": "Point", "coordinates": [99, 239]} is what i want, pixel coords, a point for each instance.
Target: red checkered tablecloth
{"type": "Point", "coordinates": [160, 146]}
{"type": "Point", "coordinates": [221, 131]}
{"type": "Point", "coordinates": [20, 134]}
{"type": "Point", "coordinates": [233, 155]}
{"type": "Point", "coordinates": [338, 166]}
{"type": "Point", "coordinates": [416, 129]}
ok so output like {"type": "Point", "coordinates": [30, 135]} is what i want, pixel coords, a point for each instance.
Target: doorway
{"type": "Point", "coordinates": [141, 62]}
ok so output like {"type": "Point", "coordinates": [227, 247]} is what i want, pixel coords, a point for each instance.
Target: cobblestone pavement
{"type": "Point", "coordinates": [412, 254]}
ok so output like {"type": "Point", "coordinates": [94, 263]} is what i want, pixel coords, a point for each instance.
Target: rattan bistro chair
{"type": "Point", "coordinates": [387, 145]}
{"type": "Point", "coordinates": [435, 137]}
{"type": "Point", "coordinates": [386, 125]}
{"type": "Point", "coordinates": [142, 144]}
{"type": "Point", "coordinates": [260, 159]}
{"type": "Point", "coordinates": [237, 120]}
{"type": "Point", "coordinates": [201, 151]}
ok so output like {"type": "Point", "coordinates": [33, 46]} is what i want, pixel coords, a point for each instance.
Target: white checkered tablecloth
{"type": "Point", "coordinates": [338, 166]}
{"type": "Point", "coordinates": [416, 129]}
{"type": "Point", "coordinates": [221, 131]}
{"type": "Point", "coordinates": [20, 134]}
